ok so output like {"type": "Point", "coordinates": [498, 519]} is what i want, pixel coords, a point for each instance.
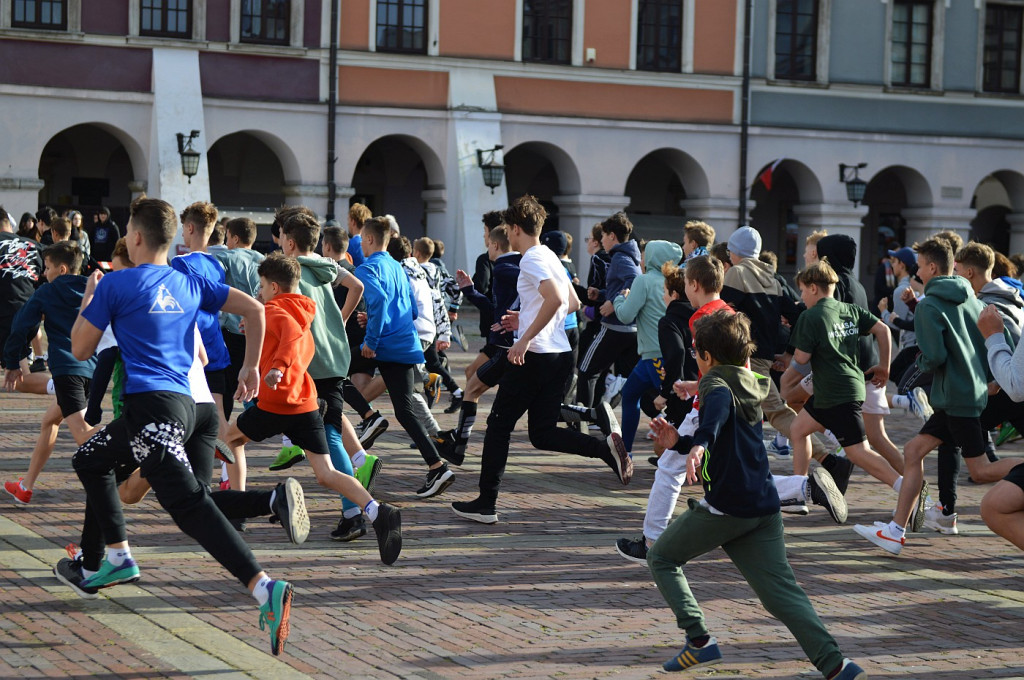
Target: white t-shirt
{"type": "Point", "coordinates": [197, 375]}
{"type": "Point", "coordinates": [540, 263]}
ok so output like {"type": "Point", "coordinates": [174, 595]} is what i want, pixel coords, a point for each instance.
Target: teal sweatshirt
{"type": "Point", "coordinates": [332, 356]}
{"type": "Point", "coordinates": [646, 301]}
{"type": "Point", "coordinates": [240, 271]}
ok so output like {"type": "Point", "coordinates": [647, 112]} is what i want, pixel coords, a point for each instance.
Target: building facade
{"type": "Point", "coordinates": [598, 105]}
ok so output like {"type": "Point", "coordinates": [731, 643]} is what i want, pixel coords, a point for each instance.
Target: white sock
{"type": "Point", "coordinates": [352, 512]}
{"type": "Point", "coordinates": [273, 497]}
{"type": "Point", "coordinates": [285, 441]}
{"type": "Point", "coordinates": [223, 471]}
{"type": "Point", "coordinates": [781, 441]}
{"type": "Point", "coordinates": [262, 590]}
{"type": "Point", "coordinates": [896, 530]}
{"type": "Point", "coordinates": [49, 387]}
{"type": "Point", "coordinates": [902, 401]}
{"type": "Point", "coordinates": [371, 510]}
{"type": "Point", "coordinates": [87, 572]}
{"type": "Point", "coordinates": [897, 485]}
{"type": "Point", "coordinates": [117, 556]}
{"type": "Point", "coordinates": [457, 393]}
{"type": "Point", "coordinates": [358, 458]}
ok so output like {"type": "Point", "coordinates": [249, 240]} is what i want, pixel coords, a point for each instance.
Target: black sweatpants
{"type": "Point", "coordinates": [606, 349]}
{"type": "Point", "coordinates": [400, 380]}
{"type": "Point", "coordinates": [235, 343]}
{"type": "Point", "coordinates": [434, 365]}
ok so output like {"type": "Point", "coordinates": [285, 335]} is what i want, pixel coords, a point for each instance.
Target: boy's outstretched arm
{"type": "Point", "coordinates": [255, 325]}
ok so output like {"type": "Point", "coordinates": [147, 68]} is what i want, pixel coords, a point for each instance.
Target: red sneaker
{"type": "Point", "coordinates": [21, 496]}
{"type": "Point", "coordinates": [225, 485]}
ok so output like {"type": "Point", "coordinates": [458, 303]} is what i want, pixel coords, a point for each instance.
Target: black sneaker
{"type": "Point", "coordinates": [822, 490]}
{"type": "Point", "coordinates": [918, 515]}
{"type": "Point", "coordinates": [840, 468]}
{"type": "Point", "coordinates": [574, 414]}
{"type": "Point", "coordinates": [37, 366]}
{"type": "Point", "coordinates": [322, 406]}
{"type": "Point", "coordinates": [634, 550]}
{"type": "Point", "coordinates": [239, 525]}
{"type": "Point", "coordinates": [448, 447]}
{"type": "Point", "coordinates": [476, 510]}
{"type": "Point", "coordinates": [605, 417]}
{"type": "Point", "coordinates": [621, 461]}
{"type": "Point", "coordinates": [69, 572]}
{"type": "Point", "coordinates": [653, 460]}
{"type": "Point", "coordinates": [290, 509]}
{"type": "Point", "coordinates": [371, 428]}
{"type": "Point", "coordinates": [349, 529]}
{"type": "Point", "coordinates": [223, 452]}
{"type": "Point", "coordinates": [792, 506]}
{"type": "Point", "coordinates": [438, 480]}
{"type": "Point", "coordinates": [388, 527]}
{"type": "Point", "coordinates": [455, 404]}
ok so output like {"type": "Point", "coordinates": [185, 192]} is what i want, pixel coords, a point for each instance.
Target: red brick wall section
{"type": "Point", "coordinates": [355, 25]}
{"type": "Point", "coordinates": [255, 77]}
{"type": "Point", "coordinates": [484, 29]}
{"type": "Point", "coordinates": [218, 20]}
{"type": "Point", "coordinates": [92, 67]}
{"type": "Point", "coordinates": [606, 29]}
{"type": "Point", "coordinates": [392, 87]}
{"type": "Point", "coordinates": [106, 17]}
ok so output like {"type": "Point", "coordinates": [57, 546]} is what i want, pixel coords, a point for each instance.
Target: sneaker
{"type": "Point", "coordinates": [225, 485]}
{"type": "Point", "coordinates": [438, 480]}
{"type": "Point", "coordinates": [289, 456]}
{"type": "Point", "coordinates": [368, 471]}
{"type": "Point", "coordinates": [455, 404]}
{"type": "Point", "coordinates": [822, 490]}
{"type": "Point", "coordinates": [448, 447]}
{"type": "Point", "coordinates": [476, 510]}
{"type": "Point", "coordinates": [653, 460]}
{"type": "Point", "coordinates": [274, 614]}
{"type": "Point", "coordinates": [879, 535]}
{"type": "Point", "coordinates": [850, 671]}
{"type": "Point", "coordinates": [38, 365]}
{"type": "Point", "coordinates": [432, 389]}
{"type": "Point", "coordinates": [613, 385]}
{"type": "Point", "coordinates": [388, 527]}
{"type": "Point", "coordinates": [371, 428]}
{"type": "Point", "coordinates": [69, 572]}
{"type": "Point", "coordinates": [290, 508]}
{"type": "Point", "coordinates": [620, 457]}
{"type": "Point", "coordinates": [606, 420]}
{"type": "Point", "coordinates": [934, 520]}
{"type": "Point", "coordinates": [840, 468]}
{"type": "Point", "coordinates": [459, 337]}
{"type": "Point", "coordinates": [223, 453]}
{"type": "Point", "coordinates": [73, 551]}
{"type": "Point", "coordinates": [21, 495]}
{"type": "Point", "coordinates": [575, 414]}
{"type": "Point", "coordinates": [634, 550]}
{"type": "Point", "coordinates": [919, 404]}
{"type": "Point", "coordinates": [694, 657]}
{"type": "Point", "coordinates": [239, 525]}
{"type": "Point", "coordinates": [1006, 433]}
{"type": "Point", "coordinates": [792, 506]}
{"type": "Point", "coordinates": [779, 452]}
{"type": "Point", "coordinates": [349, 529]}
{"type": "Point", "coordinates": [109, 575]}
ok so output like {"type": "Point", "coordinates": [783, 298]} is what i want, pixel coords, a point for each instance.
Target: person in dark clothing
{"type": "Point", "coordinates": [484, 269]}
{"type": "Point", "coordinates": [21, 272]}
{"type": "Point", "coordinates": [675, 341]}
{"type": "Point", "coordinates": [104, 234]}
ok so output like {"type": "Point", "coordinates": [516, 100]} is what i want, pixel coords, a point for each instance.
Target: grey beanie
{"type": "Point", "coordinates": [745, 242]}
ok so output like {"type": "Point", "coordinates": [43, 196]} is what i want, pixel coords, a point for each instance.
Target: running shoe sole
{"type": "Point", "coordinates": [623, 463]}
{"type": "Point", "coordinates": [296, 524]}
{"type": "Point", "coordinates": [917, 519]}
{"type": "Point", "coordinates": [389, 534]}
{"type": "Point", "coordinates": [223, 452]}
{"type": "Point", "coordinates": [830, 498]}
{"type": "Point", "coordinates": [440, 484]}
{"type": "Point", "coordinates": [371, 480]}
{"type": "Point", "coordinates": [480, 517]}
{"type": "Point", "coordinates": [606, 419]}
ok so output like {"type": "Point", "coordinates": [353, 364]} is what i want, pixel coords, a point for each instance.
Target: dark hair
{"type": "Point", "coordinates": [1018, 261]}
{"type": "Point", "coordinates": [60, 228]}
{"type": "Point", "coordinates": [675, 279]}
{"type": "Point", "coordinates": [619, 225]}
{"type": "Point", "coordinates": [156, 220]}
{"type": "Point", "coordinates": [379, 228]}
{"type": "Point", "coordinates": [399, 248]}
{"type": "Point", "coordinates": [302, 228]}
{"type": "Point", "coordinates": [282, 214]}
{"type": "Point", "coordinates": [937, 251]}
{"type": "Point", "coordinates": [438, 248]}
{"type": "Point", "coordinates": [595, 234]}
{"type": "Point", "coordinates": [46, 215]}
{"type": "Point", "coordinates": [337, 238]}
{"type": "Point", "coordinates": [707, 272]}
{"type": "Point", "coordinates": [770, 259]}
{"type": "Point", "coordinates": [65, 253]}
{"type": "Point", "coordinates": [201, 214]}
{"type": "Point", "coordinates": [820, 274]}
{"type": "Point", "coordinates": [280, 269]}
{"type": "Point", "coordinates": [243, 229]}
{"type": "Point", "coordinates": [701, 233]}
{"type": "Point", "coordinates": [526, 213]}
{"type": "Point", "coordinates": [499, 236]}
{"type": "Point", "coordinates": [104, 210]}
{"type": "Point", "coordinates": [977, 256]}
{"type": "Point", "coordinates": [725, 335]}
{"type": "Point", "coordinates": [720, 251]}
{"type": "Point", "coordinates": [1003, 266]}
{"type": "Point", "coordinates": [121, 251]}
{"type": "Point", "coordinates": [5, 216]}
{"type": "Point", "coordinates": [216, 236]}
{"type": "Point", "coordinates": [494, 218]}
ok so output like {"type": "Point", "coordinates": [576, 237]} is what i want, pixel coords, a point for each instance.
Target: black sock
{"type": "Point", "coordinates": [700, 641]}
{"type": "Point", "coordinates": [467, 417]}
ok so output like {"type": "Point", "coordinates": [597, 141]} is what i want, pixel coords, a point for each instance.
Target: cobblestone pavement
{"type": "Point", "coordinates": [541, 594]}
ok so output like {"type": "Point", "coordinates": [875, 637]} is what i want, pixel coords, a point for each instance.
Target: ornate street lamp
{"type": "Point", "coordinates": [855, 186]}
{"type": "Point", "coordinates": [492, 169]}
{"type": "Point", "coordinates": [189, 156]}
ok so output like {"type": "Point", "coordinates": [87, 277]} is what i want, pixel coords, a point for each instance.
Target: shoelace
{"type": "Point", "coordinates": [74, 552]}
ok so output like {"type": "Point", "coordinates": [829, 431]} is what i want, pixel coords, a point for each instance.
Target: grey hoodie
{"type": "Point", "coordinates": [240, 271]}
{"type": "Point", "coordinates": [332, 356]}
{"type": "Point", "coordinates": [1007, 300]}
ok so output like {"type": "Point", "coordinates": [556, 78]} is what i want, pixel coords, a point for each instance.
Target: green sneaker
{"type": "Point", "coordinates": [368, 471]}
{"type": "Point", "coordinates": [274, 614]}
{"type": "Point", "coordinates": [109, 575]}
{"type": "Point", "coordinates": [289, 456]}
{"type": "Point", "coordinates": [1006, 433]}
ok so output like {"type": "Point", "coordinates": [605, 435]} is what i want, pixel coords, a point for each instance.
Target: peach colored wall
{"type": "Point", "coordinates": [478, 28]}
{"type": "Point", "coordinates": [631, 102]}
{"type": "Point", "coordinates": [606, 29]}
{"type": "Point", "coordinates": [714, 40]}
{"type": "Point", "coordinates": [354, 33]}
{"type": "Point", "coordinates": [392, 87]}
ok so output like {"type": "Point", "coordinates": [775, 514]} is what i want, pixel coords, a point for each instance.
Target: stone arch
{"type": "Point", "coordinates": [247, 173]}
{"type": "Point", "coordinates": [658, 186]}
{"type": "Point", "coordinates": [775, 196]}
{"type": "Point", "coordinates": [543, 170]}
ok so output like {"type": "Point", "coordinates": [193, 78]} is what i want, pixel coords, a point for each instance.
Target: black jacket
{"type": "Point", "coordinates": [21, 272]}
{"type": "Point", "coordinates": [503, 297]}
{"type": "Point", "coordinates": [841, 251]}
{"type": "Point", "coordinates": [675, 341]}
{"type": "Point", "coordinates": [482, 275]}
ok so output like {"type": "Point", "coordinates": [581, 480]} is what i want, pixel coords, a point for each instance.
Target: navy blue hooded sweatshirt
{"type": "Point", "coordinates": [624, 267]}
{"type": "Point", "coordinates": [59, 302]}
{"type": "Point", "coordinates": [504, 275]}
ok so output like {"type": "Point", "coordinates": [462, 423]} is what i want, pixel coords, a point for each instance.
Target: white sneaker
{"type": "Point", "coordinates": [792, 506]}
{"type": "Point", "coordinates": [831, 442]}
{"type": "Point", "coordinates": [613, 384]}
{"type": "Point", "coordinates": [880, 535]}
{"type": "Point", "coordinates": [919, 404]}
{"type": "Point", "coordinates": [936, 521]}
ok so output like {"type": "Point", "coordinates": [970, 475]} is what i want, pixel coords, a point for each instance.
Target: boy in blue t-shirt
{"type": "Point", "coordinates": [153, 311]}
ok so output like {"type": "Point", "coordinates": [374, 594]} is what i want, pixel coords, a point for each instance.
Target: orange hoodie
{"type": "Point", "coordinates": [288, 347]}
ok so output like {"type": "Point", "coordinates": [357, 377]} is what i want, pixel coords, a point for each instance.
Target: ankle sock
{"type": "Point", "coordinates": [117, 556]}
{"type": "Point", "coordinates": [901, 401]}
{"type": "Point", "coordinates": [285, 441]}
{"type": "Point", "coordinates": [371, 510]}
{"type": "Point", "coordinates": [896, 530]}
{"type": "Point", "coordinates": [700, 641]}
{"type": "Point", "coordinates": [262, 590]}
{"type": "Point", "coordinates": [897, 485]}
{"type": "Point", "coordinates": [457, 393]}
{"type": "Point", "coordinates": [349, 513]}
{"type": "Point", "coordinates": [467, 418]}
{"type": "Point", "coordinates": [49, 387]}
{"type": "Point", "coordinates": [358, 458]}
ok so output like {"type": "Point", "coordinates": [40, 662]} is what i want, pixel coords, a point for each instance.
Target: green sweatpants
{"type": "Point", "coordinates": [757, 547]}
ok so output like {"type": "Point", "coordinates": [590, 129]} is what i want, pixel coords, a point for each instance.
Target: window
{"type": "Point", "coordinates": [796, 39]}
{"type": "Point", "coordinates": [1001, 63]}
{"type": "Point", "coordinates": [402, 26]}
{"type": "Point", "coordinates": [166, 18]}
{"type": "Point", "coordinates": [547, 30]}
{"type": "Point", "coordinates": [47, 14]}
{"type": "Point", "coordinates": [911, 43]}
{"type": "Point", "coordinates": [659, 35]}
{"type": "Point", "coordinates": [266, 21]}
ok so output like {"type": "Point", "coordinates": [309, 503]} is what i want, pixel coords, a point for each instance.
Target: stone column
{"type": "Point", "coordinates": [1016, 221]}
{"type": "Point", "coordinates": [836, 218]}
{"type": "Point", "coordinates": [435, 202]}
{"type": "Point", "coordinates": [314, 197]}
{"type": "Point", "coordinates": [923, 222]}
{"type": "Point", "coordinates": [577, 214]}
{"type": "Point", "coordinates": [20, 194]}
{"type": "Point", "coordinates": [718, 211]}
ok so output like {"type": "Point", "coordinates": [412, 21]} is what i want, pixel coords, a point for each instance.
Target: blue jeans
{"type": "Point", "coordinates": [646, 375]}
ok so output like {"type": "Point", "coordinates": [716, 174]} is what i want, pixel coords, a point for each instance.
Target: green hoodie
{"type": "Point", "coordinates": [240, 271]}
{"type": "Point", "coordinates": [646, 301]}
{"type": "Point", "coordinates": [332, 356]}
{"type": "Point", "coordinates": [952, 347]}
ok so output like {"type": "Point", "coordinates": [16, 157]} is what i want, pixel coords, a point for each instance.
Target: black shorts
{"type": "Point", "coordinates": [845, 420]}
{"type": "Point", "coordinates": [306, 430]}
{"type": "Point", "coordinates": [966, 433]}
{"type": "Point", "coordinates": [217, 381]}
{"type": "Point", "coordinates": [332, 390]}
{"type": "Point", "coordinates": [360, 364]}
{"type": "Point", "coordinates": [490, 372]}
{"type": "Point", "coordinates": [1016, 476]}
{"type": "Point", "coordinates": [72, 393]}
{"type": "Point", "coordinates": [489, 350]}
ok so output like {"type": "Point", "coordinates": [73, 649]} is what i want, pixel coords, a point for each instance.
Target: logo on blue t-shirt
{"type": "Point", "coordinates": [165, 303]}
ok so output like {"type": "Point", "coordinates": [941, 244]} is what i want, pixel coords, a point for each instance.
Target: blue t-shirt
{"type": "Point", "coordinates": [153, 310]}
{"type": "Point", "coordinates": [355, 249]}
{"type": "Point", "coordinates": [206, 266]}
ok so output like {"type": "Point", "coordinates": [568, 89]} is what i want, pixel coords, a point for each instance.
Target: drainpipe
{"type": "Point", "coordinates": [332, 111]}
{"type": "Point", "coordinates": [745, 111]}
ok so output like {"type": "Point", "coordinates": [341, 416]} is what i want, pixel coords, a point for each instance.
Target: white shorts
{"type": "Point", "coordinates": [875, 402]}
{"type": "Point", "coordinates": [689, 425]}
